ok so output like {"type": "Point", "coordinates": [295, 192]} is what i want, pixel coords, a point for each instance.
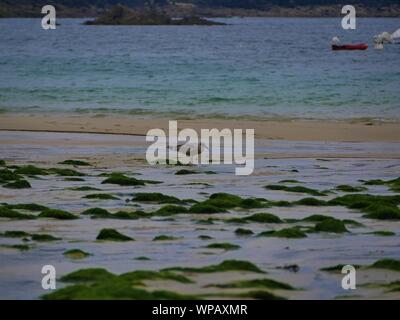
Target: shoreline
{"type": "Point", "coordinates": [291, 129]}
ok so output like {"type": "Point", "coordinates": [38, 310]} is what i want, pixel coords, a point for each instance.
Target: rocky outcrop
{"type": "Point", "coordinates": [120, 15]}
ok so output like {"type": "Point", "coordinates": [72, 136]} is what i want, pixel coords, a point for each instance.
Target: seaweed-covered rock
{"type": "Point", "coordinates": [171, 210]}
{"type": "Point", "coordinates": [14, 234]}
{"type": "Point", "coordinates": [296, 189]}
{"type": "Point", "coordinates": [66, 172]}
{"type": "Point", "coordinates": [350, 189]}
{"type": "Point", "coordinates": [26, 206]}
{"type": "Point", "coordinates": [331, 225]}
{"type": "Point", "coordinates": [57, 214]}
{"type": "Point", "coordinates": [112, 235]}
{"type": "Point", "coordinates": [224, 246]}
{"type": "Point", "coordinates": [122, 180]}
{"type": "Point", "coordinates": [227, 265]}
{"type": "Point", "coordinates": [76, 254]}
{"type": "Point", "coordinates": [243, 232]}
{"type": "Point", "coordinates": [205, 208]}
{"type": "Point", "coordinates": [43, 237]}
{"type": "Point", "coordinates": [101, 196]}
{"type": "Point", "coordinates": [294, 232]}
{"type": "Point", "coordinates": [390, 264]}
{"type": "Point", "coordinates": [375, 207]}
{"type": "Point", "coordinates": [98, 212]}
{"type": "Point", "coordinates": [31, 170]}
{"type": "Point", "coordinates": [75, 163]}
{"type": "Point", "coordinates": [12, 214]}
{"type": "Point", "coordinates": [18, 184]}
{"type": "Point", "coordinates": [155, 197]}
{"type": "Point", "coordinates": [164, 237]}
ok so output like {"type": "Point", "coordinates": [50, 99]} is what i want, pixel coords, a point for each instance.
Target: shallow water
{"type": "Point", "coordinates": [20, 272]}
{"type": "Point", "coordinates": [257, 67]}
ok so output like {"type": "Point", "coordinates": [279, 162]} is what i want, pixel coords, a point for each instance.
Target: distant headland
{"type": "Point", "coordinates": [203, 8]}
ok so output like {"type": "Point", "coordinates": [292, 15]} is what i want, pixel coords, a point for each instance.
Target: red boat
{"type": "Point", "coordinates": [360, 46]}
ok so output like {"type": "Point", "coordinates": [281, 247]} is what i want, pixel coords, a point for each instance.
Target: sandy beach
{"type": "Point", "coordinates": [293, 130]}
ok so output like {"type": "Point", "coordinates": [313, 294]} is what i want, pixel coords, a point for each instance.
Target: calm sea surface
{"type": "Point", "coordinates": [253, 67]}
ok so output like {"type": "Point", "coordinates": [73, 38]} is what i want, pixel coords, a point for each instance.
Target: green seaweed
{"type": "Point", "coordinates": [142, 258]}
{"type": "Point", "coordinates": [224, 246]}
{"type": "Point", "coordinates": [98, 212]}
{"type": "Point", "coordinates": [243, 232]}
{"type": "Point", "coordinates": [186, 172]}
{"type": "Point", "coordinates": [206, 221]}
{"type": "Point", "coordinates": [31, 170]}
{"type": "Point", "coordinates": [113, 290]}
{"type": "Point", "coordinates": [255, 283]}
{"type": "Point", "coordinates": [84, 188]}
{"type": "Point", "coordinates": [389, 264]}
{"type": "Point", "coordinates": [347, 188]}
{"type": "Point", "coordinates": [21, 247]}
{"type": "Point", "coordinates": [294, 233]}
{"type": "Point", "coordinates": [155, 197]}
{"type": "Point", "coordinates": [317, 218]}
{"type": "Point", "coordinates": [76, 254]}
{"type": "Point", "coordinates": [57, 214]}
{"type": "Point", "coordinates": [394, 184]}
{"type": "Point", "coordinates": [128, 215]}
{"type": "Point", "coordinates": [7, 175]}
{"type": "Point", "coordinates": [257, 217]}
{"type": "Point", "coordinates": [205, 237]}
{"type": "Point", "coordinates": [43, 237]}
{"type": "Point", "coordinates": [112, 235]}
{"type": "Point", "coordinates": [331, 225]}
{"type": "Point", "coordinates": [14, 234]}
{"type": "Point", "coordinates": [26, 206]}
{"type": "Point", "coordinates": [290, 181]}
{"type": "Point", "coordinates": [259, 295]}
{"type": "Point", "coordinates": [383, 233]}
{"type": "Point", "coordinates": [98, 283]}
{"type": "Point", "coordinates": [75, 163]}
{"type": "Point", "coordinates": [101, 196]}
{"type": "Point", "coordinates": [18, 184]}
{"type": "Point", "coordinates": [164, 237]}
{"type": "Point", "coordinates": [297, 189]}
{"type": "Point", "coordinates": [263, 218]}
{"type": "Point", "coordinates": [227, 265]}
{"type": "Point", "coordinates": [374, 207]}
{"type": "Point", "coordinates": [66, 172]}
{"type": "Point", "coordinates": [338, 267]}
{"type": "Point", "coordinates": [170, 210]}
{"type": "Point", "coordinates": [122, 180]}
{"type": "Point", "coordinates": [88, 275]}
{"type": "Point", "coordinates": [205, 208]}
{"type": "Point", "coordinates": [74, 179]}
{"type": "Point", "coordinates": [12, 214]}
{"type": "Point", "coordinates": [312, 202]}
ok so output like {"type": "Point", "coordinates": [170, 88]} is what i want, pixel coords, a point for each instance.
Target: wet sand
{"type": "Point", "coordinates": [293, 130]}
{"type": "Point", "coordinates": [337, 163]}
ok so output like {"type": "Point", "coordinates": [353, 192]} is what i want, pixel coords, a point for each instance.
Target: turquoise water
{"type": "Point", "coordinates": [254, 67]}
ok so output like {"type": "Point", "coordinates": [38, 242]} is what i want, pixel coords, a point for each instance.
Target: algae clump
{"type": "Point", "coordinates": [76, 254]}
{"type": "Point", "coordinates": [112, 235]}
{"type": "Point", "coordinates": [57, 214]}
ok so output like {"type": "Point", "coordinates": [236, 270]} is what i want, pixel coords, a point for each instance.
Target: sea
{"type": "Point", "coordinates": [255, 68]}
